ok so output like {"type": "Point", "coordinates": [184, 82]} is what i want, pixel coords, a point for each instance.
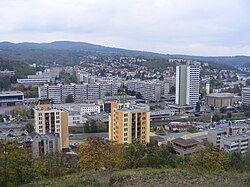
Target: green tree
{"type": "Point", "coordinates": [98, 154]}
{"type": "Point", "coordinates": [229, 115]}
{"type": "Point", "coordinates": [209, 159]}
{"type": "Point", "coordinates": [198, 107]}
{"type": "Point", "coordinates": [29, 127]}
{"type": "Point", "coordinates": [69, 99]}
{"type": "Point", "coordinates": [239, 162]}
{"type": "Point", "coordinates": [134, 155]}
{"type": "Point", "coordinates": [15, 164]}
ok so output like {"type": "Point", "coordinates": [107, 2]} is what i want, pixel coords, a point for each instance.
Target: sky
{"type": "Point", "coordinates": [193, 27]}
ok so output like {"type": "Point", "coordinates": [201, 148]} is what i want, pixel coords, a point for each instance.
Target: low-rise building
{"type": "Point", "coordinates": [179, 126]}
{"type": "Point", "coordinates": [11, 98]}
{"type": "Point", "coordinates": [33, 81]}
{"type": "Point", "coordinates": [239, 143]}
{"type": "Point", "coordinates": [219, 100]}
{"type": "Point", "coordinates": [185, 147]}
{"type": "Point", "coordinates": [7, 73]}
{"type": "Point", "coordinates": [75, 118]}
{"type": "Point", "coordinates": [42, 144]}
{"type": "Point", "coordinates": [215, 135]}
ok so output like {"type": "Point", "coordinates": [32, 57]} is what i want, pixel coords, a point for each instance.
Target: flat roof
{"type": "Point", "coordinates": [11, 93]}
{"type": "Point", "coordinates": [220, 95]}
{"type": "Point", "coordinates": [237, 136]}
{"type": "Point", "coordinates": [132, 109]}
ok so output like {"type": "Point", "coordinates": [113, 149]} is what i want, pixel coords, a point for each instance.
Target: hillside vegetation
{"type": "Point", "coordinates": [21, 69]}
{"type": "Point", "coordinates": [66, 52]}
{"type": "Point", "coordinates": [148, 177]}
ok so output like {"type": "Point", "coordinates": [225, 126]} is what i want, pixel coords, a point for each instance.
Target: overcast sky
{"type": "Point", "coordinates": [196, 27]}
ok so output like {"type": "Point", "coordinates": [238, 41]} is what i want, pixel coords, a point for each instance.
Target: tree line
{"type": "Point", "coordinates": [98, 154]}
{"type": "Point", "coordinates": [18, 167]}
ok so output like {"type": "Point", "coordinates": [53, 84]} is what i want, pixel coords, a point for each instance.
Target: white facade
{"type": "Point", "coordinates": [80, 92]}
{"type": "Point", "coordinates": [89, 109]}
{"type": "Point", "coordinates": [187, 84]}
{"type": "Point", "coordinates": [235, 143]}
{"type": "Point", "coordinates": [75, 118]}
{"type": "Point", "coordinates": [207, 88]}
{"type": "Point", "coordinates": [149, 90]}
{"type": "Point", "coordinates": [193, 84]}
{"type": "Point", "coordinates": [36, 81]}
{"type": "Point", "coordinates": [246, 96]}
{"type": "Point", "coordinates": [47, 121]}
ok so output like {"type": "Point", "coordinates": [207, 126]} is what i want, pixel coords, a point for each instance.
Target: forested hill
{"type": "Point", "coordinates": [21, 69]}
{"type": "Point", "coordinates": [66, 52]}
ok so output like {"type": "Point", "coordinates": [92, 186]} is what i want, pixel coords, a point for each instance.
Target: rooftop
{"type": "Point", "coordinates": [221, 95]}
{"type": "Point", "coordinates": [237, 136]}
{"type": "Point", "coordinates": [10, 93]}
{"type": "Point", "coordinates": [185, 142]}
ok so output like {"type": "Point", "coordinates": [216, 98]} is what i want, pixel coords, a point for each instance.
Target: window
{"type": "Point", "coordinates": [57, 121]}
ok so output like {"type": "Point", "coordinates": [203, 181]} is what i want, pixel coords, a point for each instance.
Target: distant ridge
{"type": "Point", "coordinates": [61, 51]}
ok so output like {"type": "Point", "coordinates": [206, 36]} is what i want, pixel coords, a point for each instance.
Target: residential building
{"type": "Point", "coordinates": [80, 92]}
{"type": "Point", "coordinates": [246, 96]}
{"type": "Point", "coordinates": [33, 81]}
{"type": "Point", "coordinates": [49, 119]}
{"type": "Point", "coordinates": [128, 124]}
{"type": "Point", "coordinates": [239, 143]}
{"type": "Point", "coordinates": [215, 135]}
{"type": "Point", "coordinates": [208, 87]}
{"type": "Point", "coordinates": [150, 90]}
{"type": "Point", "coordinates": [187, 83]}
{"type": "Point", "coordinates": [37, 144]}
{"type": "Point", "coordinates": [75, 118]}
{"type": "Point", "coordinates": [90, 109]}
{"type": "Point", "coordinates": [42, 144]}
{"type": "Point", "coordinates": [11, 98]}
{"type": "Point", "coordinates": [7, 73]}
{"type": "Point", "coordinates": [82, 108]}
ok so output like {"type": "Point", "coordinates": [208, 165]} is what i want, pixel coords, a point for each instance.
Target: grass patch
{"type": "Point", "coordinates": [148, 177]}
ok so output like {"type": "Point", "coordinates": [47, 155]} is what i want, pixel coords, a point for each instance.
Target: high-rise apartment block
{"type": "Point", "coordinates": [150, 90]}
{"type": "Point", "coordinates": [128, 124]}
{"type": "Point", "coordinates": [246, 96]}
{"type": "Point", "coordinates": [80, 92]}
{"type": "Point", "coordinates": [51, 120]}
{"type": "Point", "coordinates": [187, 83]}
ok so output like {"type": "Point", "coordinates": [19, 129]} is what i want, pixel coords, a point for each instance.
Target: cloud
{"type": "Point", "coordinates": [197, 27]}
